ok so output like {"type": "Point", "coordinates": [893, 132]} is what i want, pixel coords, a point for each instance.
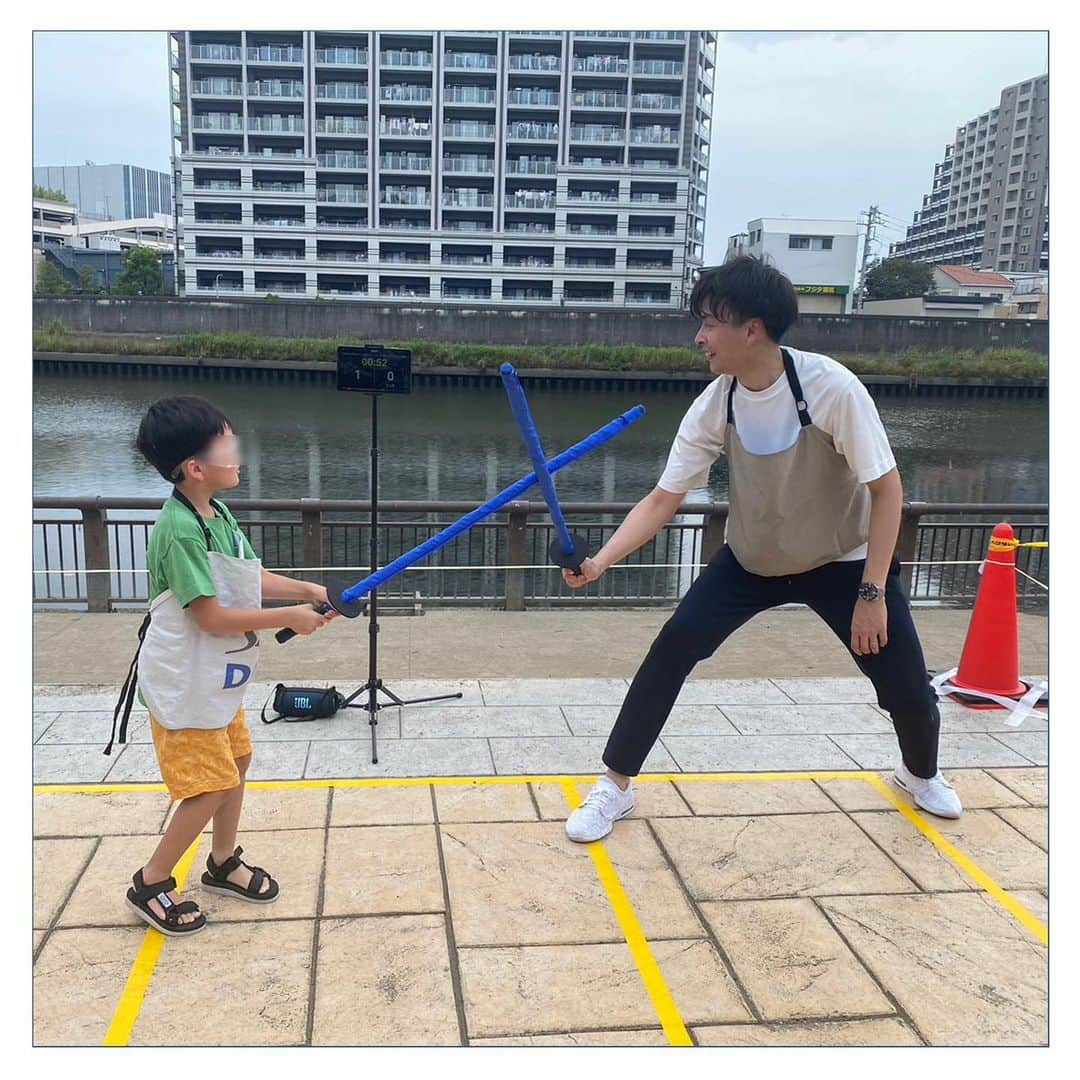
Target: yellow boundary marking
{"type": "Point", "coordinates": [1009, 902]}
{"type": "Point", "coordinates": [127, 1008]}
{"type": "Point", "coordinates": [131, 1000]}
{"type": "Point", "coordinates": [648, 968]}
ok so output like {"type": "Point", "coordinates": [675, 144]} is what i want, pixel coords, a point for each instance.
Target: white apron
{"type": "Point", "coordinates": [192, 679]}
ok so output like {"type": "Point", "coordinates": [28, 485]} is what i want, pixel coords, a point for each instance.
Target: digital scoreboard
{"type": "Point", "coordinates": [374, 369]}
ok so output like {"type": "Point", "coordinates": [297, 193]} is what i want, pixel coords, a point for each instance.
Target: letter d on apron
{"type": "Point", "coordinates": [191, 679]}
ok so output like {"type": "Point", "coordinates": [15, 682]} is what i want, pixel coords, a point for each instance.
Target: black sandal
{"type": "Point", "coordinates": [216, 880]}
{"type": "Point", "coordinates": [138, 900]}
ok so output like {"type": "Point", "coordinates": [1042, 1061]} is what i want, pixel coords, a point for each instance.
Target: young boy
{"type": "Point", "coordinates": [815, 503]}
{"type": "Point", "coordinates": [198, 654]}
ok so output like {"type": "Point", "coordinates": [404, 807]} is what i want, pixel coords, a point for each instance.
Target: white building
{"type": "Point", "coordinates": [540, 166]}
{"type": "Point", "coordinates": [819, 255]}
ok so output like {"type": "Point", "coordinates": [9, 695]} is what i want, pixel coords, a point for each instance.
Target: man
{"type": "Point", "coordinates": [815, 503]}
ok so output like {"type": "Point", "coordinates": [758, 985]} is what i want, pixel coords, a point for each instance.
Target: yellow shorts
{"type": "Point", "coordinates": [194, 761]}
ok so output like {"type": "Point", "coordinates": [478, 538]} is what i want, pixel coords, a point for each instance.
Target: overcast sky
{"type": "Point", "coordinates": [805, 124]}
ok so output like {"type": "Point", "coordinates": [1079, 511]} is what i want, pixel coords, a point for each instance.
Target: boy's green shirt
{"type": "Point", "coordinates": [176, 554]}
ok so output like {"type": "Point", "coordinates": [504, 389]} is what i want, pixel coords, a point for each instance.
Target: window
{"type": "Point", "coordinates": [1028, 308]}
{"type": "Point", "coordinates": [1023, 249]}
{"type": "Point", "coordinates": [1012, 196]}
{"type": "Point", "coordinates": [1025, 230]}
{"type": "Point", "coordinates": [801, 243]}
{"type": "Point", "coordinates": [1021, 123]}
{"type": "Point", "coordinates": [1007, 230]}
{"type": "Point", "coordinates": [1029, 195]}
{"type": "Point", "coordinates": [1014, 178]}
{"type": "Point", "coordinates": [822, 243]}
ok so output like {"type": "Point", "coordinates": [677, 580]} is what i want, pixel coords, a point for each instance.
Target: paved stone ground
{"type": "Point", "coordinates": [778, 911]}
{"type": "Point", "coordinates": [544, 726]}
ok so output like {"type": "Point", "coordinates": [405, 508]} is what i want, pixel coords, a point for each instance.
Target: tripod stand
{"type": "Point", "coordinates": [372, 706]}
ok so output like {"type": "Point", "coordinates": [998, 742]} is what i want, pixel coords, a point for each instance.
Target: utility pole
{"type": "Point", "coordinates": [873, 218]}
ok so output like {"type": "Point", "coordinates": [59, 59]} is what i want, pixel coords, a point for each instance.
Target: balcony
{"type": "Point", "coordinates": [275, 54]}
{"type": "Point", "coordinates": [403, 257]}
{"type": "Point", "coordinates": [598, 99]}
{"type": "Point", "coordinates": [466, 260]}
{"type": "Point", "coordinates": [217, 53]}
{"type": "Point", "coordinates": [593, 196]}
{"type": "Point", "coordinates": [341, 125]}
{"type": "Point", "coordinates": [272, 151]}
{"type": "Point", "coordinates": [341, 91]}
{"type": "Point", "coordinates": [216, 151]}
{"type": "Point", "coordinates": [342, 159]}
{"type": "Point", "coordinates": [418, 58]}
{"type": "Point", "coordinates": [338, 290]}
{"type": "Point", "coordinates": [621, 35]}
{"type": "Point", "coordinates": [468, 165]}
{"type": "Point", "coordinates": [661, 35]}
{"type": "Point", "coordinates": [653, 197]}
{"type": "Point", "coordinates": [591, 230]}
{"type": "Point", "coordinates": [462, 61]}
{"type": "Point", "coordinates": [220, 253]}
{"type": "Point", "coordinates": [535, 33]}
{"type": "Point", "coordinates": [523, 129]}
{"type": "Point", "coordinates": [405, 127]}
{"type": "Point", "coordinates": [595, 162]}
{"type": "Point", "coordinates": [405, 162]}
{"type": "Point", "coordinates": [533, 167]}
{"type": "Point", "coordinates": [279, 255]}
{"type": "Point", "coordinates": [342, 54]}
{"type": "Point", "coordinates": [644, 230]}
{"type": "Point", "coordinates": [276, 287]}
{"type": "Point", "coordinates": [537, 262]}
{"type": "Point", "coordinates": [661, 102]}
{"type": "Point", "coordinates": [217, 87]}
{"type": "Point", "coordinates": [469, 95]}
{"type": "Point", "coordinates": [468, 129]}
{"type": "Point", "coordinates": [664, 68]}
{"type": "Point", "coordinates": [217, 185]}
{"type": "Point", "coordinates": [342, 256]}
{"type": "Point", "coordinates": [530, 200]}
{"type": "Point", "coordinates": [528, 227]}
{"type": "Point", "coordinates": [395, 196]}
{"type": "Point", "coordinates": [596, 133]}
{"type": "Point", "coordinates": [656, 135]}
{"type": "Point", "coordinates": [339, 223]}
{"type": "Point", "coordinates": [573, 263]}
{"type": "Point", "coordinates": [216, 122]}
{"type": "Point", "coordinates": [294, 124]}
{"type": "Point", "coordinates": [451, 293]}
{"type": "Point", "coordinates": [469, 200]}
{"type": "Point", "coordinates": [286, 88]}
{"type": "Point", "coordinates": [278, 185]}
{"type": "Point", "coordinates": [221, 286]}
{"type": "Point", "coordinates": [537, 62]}
{"type": "Point", "coordinates": [404, 92]}
{"type": "Point", "coordinates": [602, 65]}
{"type": "Point", "coordinates": [350, 194]}
{"type": "Point", "coordinates": [547, 98]}
{"type": "Point", "coordinates": [467, 226]}
{"type": "Point", "coordinates": [287, 222]}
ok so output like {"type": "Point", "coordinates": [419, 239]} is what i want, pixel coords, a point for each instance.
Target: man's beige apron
{"type": "Point", "coordinates": [797, 509]}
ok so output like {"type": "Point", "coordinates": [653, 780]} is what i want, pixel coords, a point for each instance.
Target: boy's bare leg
{"type": "Point", "coordinates": [226, 822]}
{"type": "Point", "coordinates": [189, 820]}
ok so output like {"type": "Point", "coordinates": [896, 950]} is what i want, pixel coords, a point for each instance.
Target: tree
{"type": "Point", "coordinates": [141, 273]}
{"type": "Point", "coordinates": [86, 280]}
{"type": "Point", "coordinates": [50, 282]}
{"type": "Point", "coordinates": [898, 279]}
{"type": "Point", "coordinates": [49, 193]}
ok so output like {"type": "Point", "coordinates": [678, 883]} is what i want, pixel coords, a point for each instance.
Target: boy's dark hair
{"type": "Point", "coordinates": [746, 288]}
{"type": "Point", "coordinates": [177, 428]}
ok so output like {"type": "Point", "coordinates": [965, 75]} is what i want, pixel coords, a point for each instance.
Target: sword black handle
{"type": "Point", "coordinates": [285, 634]}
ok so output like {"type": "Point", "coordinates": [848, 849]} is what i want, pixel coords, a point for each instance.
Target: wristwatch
{"type": "Point", "coordinates": [869, 591]}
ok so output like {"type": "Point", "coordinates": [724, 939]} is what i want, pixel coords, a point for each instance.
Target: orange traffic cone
{"type": "Point", "coordinates": [989, 664]}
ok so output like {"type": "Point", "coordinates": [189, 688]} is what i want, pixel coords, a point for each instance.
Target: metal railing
{"type": "Point", "coordinates": [89, 554]}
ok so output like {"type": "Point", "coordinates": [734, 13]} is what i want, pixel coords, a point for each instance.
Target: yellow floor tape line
{"type": "Point", "coordinates": [127, 1008]}
{"type": "Point", "coordinates": [422, 781]}
{"type": "Point", "coordinates": [1009, 902]}
{"type": "Point", "coordinates": [651, 976]}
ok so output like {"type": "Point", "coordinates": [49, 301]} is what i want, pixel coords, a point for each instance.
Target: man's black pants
{"type": "Point", "coordinates": [723, 598]}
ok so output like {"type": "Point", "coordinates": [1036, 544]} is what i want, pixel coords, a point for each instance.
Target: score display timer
{"type": "Point", "coordinates": [374, 369]}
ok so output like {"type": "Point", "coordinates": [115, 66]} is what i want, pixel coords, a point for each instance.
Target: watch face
{"type": "Point", "coordinates": [868, 591]}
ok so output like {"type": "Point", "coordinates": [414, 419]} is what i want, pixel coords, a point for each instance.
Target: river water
{"type": "Point", "coordinates": [462, 444]}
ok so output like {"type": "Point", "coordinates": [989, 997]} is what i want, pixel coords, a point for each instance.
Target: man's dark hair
{"type": "Point", "coordinates": [177, 428]}
{"type": "Point", "coordinates": [746, 288]}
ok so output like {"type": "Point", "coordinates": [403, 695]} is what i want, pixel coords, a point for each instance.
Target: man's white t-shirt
{"type": "Point", "coordinates": [768, 422]}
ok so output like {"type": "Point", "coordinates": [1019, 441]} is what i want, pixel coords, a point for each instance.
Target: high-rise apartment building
{"type": "Point", "coordinates": [540, 167]}
{"type": "Point", "coordinates": [989, 203]}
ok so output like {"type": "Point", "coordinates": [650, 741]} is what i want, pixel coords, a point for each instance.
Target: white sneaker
{"type": "Point", "coordinates": [935, 795]}
{"type": "Point", "coordinates": [604, 805]}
